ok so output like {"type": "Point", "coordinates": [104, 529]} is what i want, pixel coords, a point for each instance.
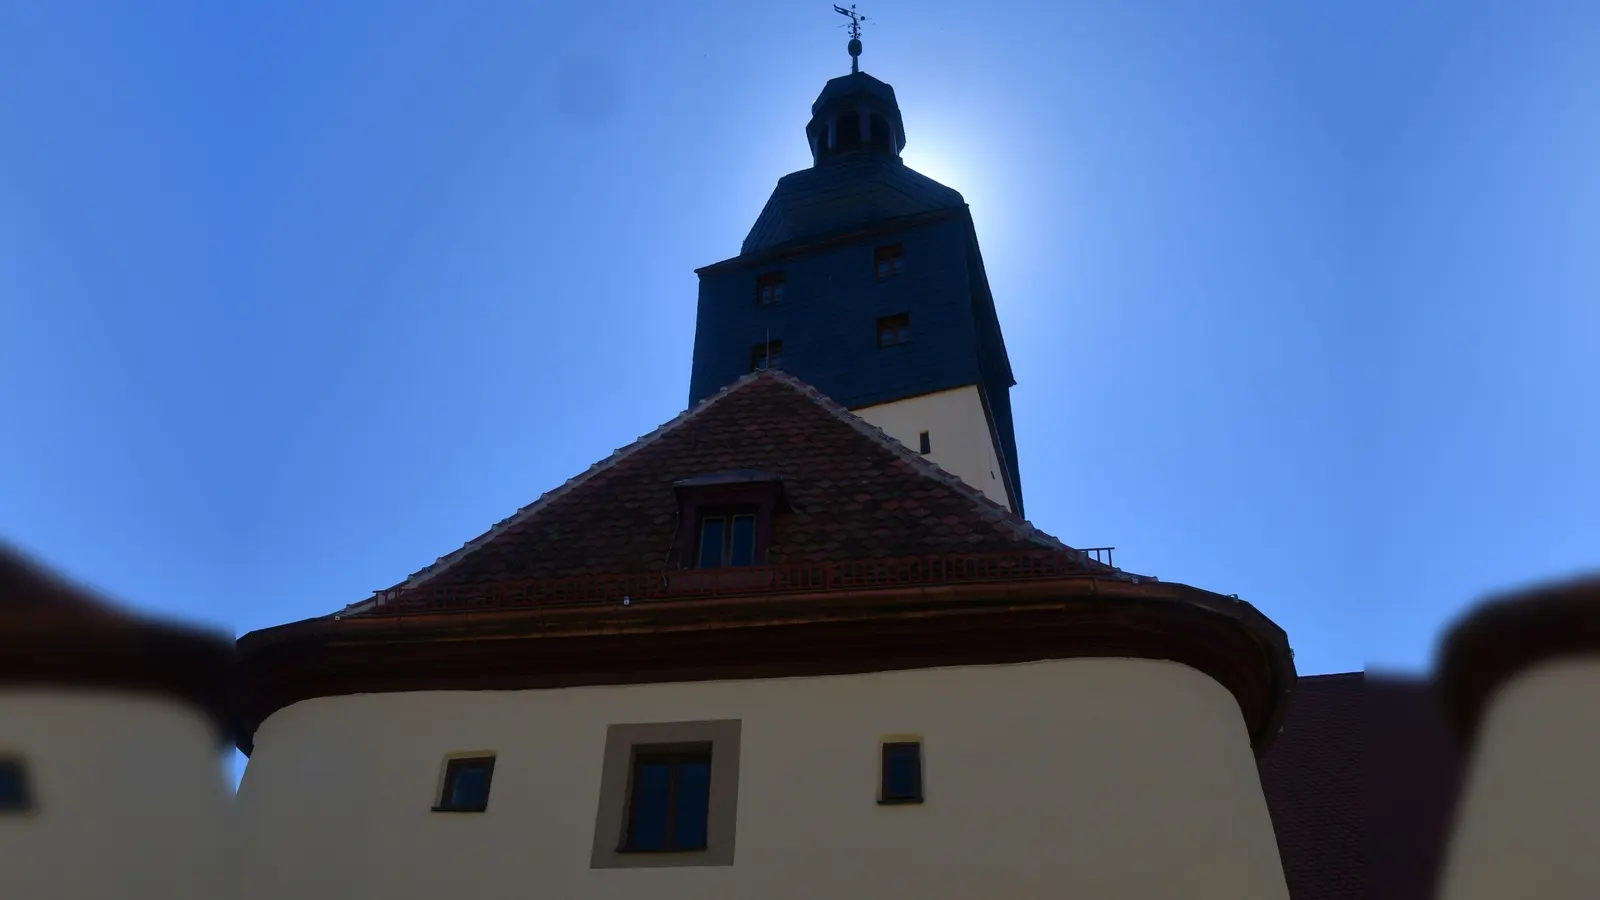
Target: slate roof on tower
{"type": "Point", "coordinates": [848, 193]}
{"type": "Point", "coordinates": [852, 492]}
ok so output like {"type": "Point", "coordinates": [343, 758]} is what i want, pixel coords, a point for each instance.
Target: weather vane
{"type": "Point", "coordinates": [855, 35]}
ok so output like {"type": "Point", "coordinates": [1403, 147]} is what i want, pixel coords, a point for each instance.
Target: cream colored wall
{"type": "Point", "coordinates": [1527, 824]}
{"type": "Point", "coordinates": [1102, 779]}
{"type": "Point", "coordinates": [958, 435]}
{"type": "Point", "coordinates": [130, 799]}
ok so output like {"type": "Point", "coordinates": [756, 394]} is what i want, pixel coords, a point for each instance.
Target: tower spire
{"type": "Point", "coordinates": [854, 47]}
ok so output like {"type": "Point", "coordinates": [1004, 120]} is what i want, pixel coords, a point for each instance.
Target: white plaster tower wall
{"type": "Point", "coordinates": [960, 439]}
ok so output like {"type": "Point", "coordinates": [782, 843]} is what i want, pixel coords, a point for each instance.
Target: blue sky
{"type": "Point", "coordinates": [1303, 301]}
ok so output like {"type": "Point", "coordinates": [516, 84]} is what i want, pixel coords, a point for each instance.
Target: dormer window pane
{"type": "Point", "coordinates": [727, 539]}
{"type": "Point", "coordinates": [712, 536]}
{"type": "Point", "coordinates": [742, 541]}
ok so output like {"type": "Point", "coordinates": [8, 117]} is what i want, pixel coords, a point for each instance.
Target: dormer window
{"type": "Point", "coordinates": [769, 289]}
{"type": "Point", "coordinates": [727, 538]}
{"type": "Point", "coordinates": [889, 260]}
{"type": "Point", "coordinates": [766, 356]}
{"type": "Point", "coordinates": [726, 518]}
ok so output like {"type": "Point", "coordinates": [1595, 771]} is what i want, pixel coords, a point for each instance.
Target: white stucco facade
{"type": "Point", "coordinates": [129, 800]}
{"type": "Point", "coordinates": [1526, 820]}
{"type": "Point", "coordinates": [960, 440]}
{"type": "Point", "coordinates": [1103, 778]}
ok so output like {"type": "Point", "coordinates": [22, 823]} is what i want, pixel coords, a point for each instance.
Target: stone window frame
{"type": "Point", "coordinates": [623, 744]}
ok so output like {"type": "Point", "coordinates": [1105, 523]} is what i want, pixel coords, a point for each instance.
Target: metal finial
{"type": "Point", "coordinates": [854, 46]}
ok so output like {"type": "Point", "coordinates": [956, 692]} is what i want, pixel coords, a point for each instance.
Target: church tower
{"type": "Point", "coordinates": [863, 277]}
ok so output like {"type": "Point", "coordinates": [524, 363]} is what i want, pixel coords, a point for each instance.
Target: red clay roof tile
{"type": "Point", "coordinates": [854, 493]}
{"type": "Point", "coordinates": [1362, 785]}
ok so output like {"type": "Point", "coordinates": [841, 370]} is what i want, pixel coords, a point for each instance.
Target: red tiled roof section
{"type": "Point", "coordinates": [1312, 779]}
{"type": "Point", "coordinates": [1362, 785]}
{"type": "Point", "coordinates": [856, 494]}
{"type": "Point", "coordinates": [1412, 777]}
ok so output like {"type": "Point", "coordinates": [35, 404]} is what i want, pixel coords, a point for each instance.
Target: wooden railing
{"type": "Point", "coordinates": [688, 584]}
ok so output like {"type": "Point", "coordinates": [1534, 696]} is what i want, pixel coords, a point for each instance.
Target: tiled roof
{"type": "Point", "coordinates": [1312, 779]}
{"type": "Point", "coordinates": [848, 192]}
{"type": "Point", "coordinates": [1412, 776]}
{"type": "Point", "coordinates": [853, 492]}
{"type": "Point", "coordinates": [1361, 785]}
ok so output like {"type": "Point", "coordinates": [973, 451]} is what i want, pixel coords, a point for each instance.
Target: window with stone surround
{"type": "Point", "coordinates": [669, 792]}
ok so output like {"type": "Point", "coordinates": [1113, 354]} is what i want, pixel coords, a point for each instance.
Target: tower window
{"type": "Point", "coordinates": [889, 261]}
{"type": "Point", "coordinates": [766, 356]}
{"type": "Point", "coordinates": [902, 773]}
{"type": "Point", "coordinates": [769, 289]}
{"type": "Point", "coordinates": [466, 785]}
{"type": "Point", "coordinates": [15, 795]}
{"type": "Point", "coordinates": [879, 129]}
{"type": "Point", "coordinates": [670, 801]}
{"type": "Point", "coordinates": [727, 540]}
{"type": "Point", "coordinates": [846, 131]}
{"type": "Point", "coordinates": [925, 446]}
{"type": "Point", "coordinates": [894, 330]}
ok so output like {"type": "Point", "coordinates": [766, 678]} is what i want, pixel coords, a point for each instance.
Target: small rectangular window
{"type": "Point", "coordinates": [466, 785]}
{"type": "Point", "coordinates": [727, 540]}
{"type": "Point", "coordinates": [902, 772]}
{"type": "Point", "coordinates": [893, 330]}
{"type": "Point", "coordinates": [766, 356]}
{"type": "Point", "coordinates": [670, 802]}
{"type": "Point", "coordinates": [769, 289]}
{"type": "Point", "coordinates": [925, 446]}
{"type": "Point", "coordinates": [889, 261]}
{"type": "Point", "coordinates": [15, 795]}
